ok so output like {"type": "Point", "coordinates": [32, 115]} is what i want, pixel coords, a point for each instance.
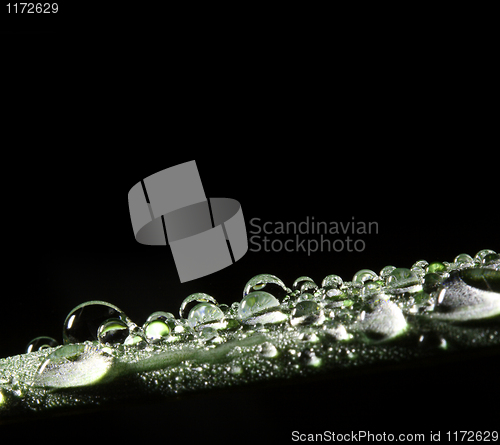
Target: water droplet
{"type": "Point", "coordinates": [482, 278]}
{"type": "Point", "coordinates": [384, 322]}
{"type": "Point", "coordinates": [307, 312]}
{"type": "Point", "coordinates": [305, 308]}
{"type": "Point", "coordinates": [260, 307]}
{"type": "Point", "coordinates": [332, 293]}
{"type": "Point", "coordinates": [422, 264]}
{"type": "Point", "coordinates": [483, 253]}
{"type": "Point", "coordinates": [338, 331]}
{"type": "Point", "coordinates": [491, 259]}
{"type": "Point", "coordinates": [158, 325]}
{"type": "Point", "coordinates": [332, 281]}
{"type": "Point", "coordinates": [199, 297]}
{"type": "Point", "coordinates": [363, 275]}
{"type": "Point", "coordinates": [403, 280]}
{"type": "Point", "coordinates": [469, 294]}
{"type": "Point", "coordinates": [84, 320]}
{"type": "Point", "coordinates": [268, 350]}
{"type": "Point", "coordinates": [431, 282]}
{"type": "Point", "coordinates": [260, 281]}
{"type": "Point", "coordinates": [463, 260]}
{"type": "Point", "coordinates": [256, 302]}
{"type": "Point", "coordinates": [208, 333]}
{"type": "Point", "coordinates": [204, 313]}
{"type": "Point", "coordinates": [236, 369]}
{"type": "Point", "coordinates": [39, 343]}
{"type": "Point", "coordinates": [136, 337]}
{"type": "Point", "coordinates": [309, 358]}
{"type": "Point", "coordinates": [73, 365]}
{"type": "Point", "coordinates": [113, 331]}
{"type": "Point", "coordinates": [386, 271]}
{"type": "Point", "coordinates": [436, 267]}
{"type": "Point", "coordinates": [304, 284]}
{"type": "Point", "coordinates": [371, 288]}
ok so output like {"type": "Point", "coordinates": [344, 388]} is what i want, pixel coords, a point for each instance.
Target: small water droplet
{"type": "Point", "coordinates": [39, 343]}
{"type": "Point", "coordinates": [236, 369]}
{"type": "Point", "coordinates": [113, 331]}
{"type": "Point", "coordinates": [156, 325]}
{"type": "Point", "coordinates": [199, 297]}
{"type": "Point", "coordinates": [332, 293]}
{"type": "Point", "coordinates": [363, 275]}
{"type": "Point", "coordinates": [305, 308]}
{"type": "Point", "coordinates": [386, 271]}
{"type": "Point", "coordinates": [422, 264]}
{"type": "Point", "coordinates": [403, 280]}
{"type": "Point", "coordinates": [309, 358]}
{"type": "Point", "coordinates": [304, 284]}
{"type": "Point", "coordinates": [431, 282]}
{"type": "Point", "coordinates": [338, 331]}
{"type": "Point", "coordinates": [463, 260]}
{"type": "Point", "coordinates": [136, 337]}
{"type": "Point", "coordinates": [332, 282]}
{"type": "Point", "coordinates": [84, 320]}
{"type": "Point", "coordinates": [436, 267]}
{"type": "Point", "coordinates": [268, 350]}
{"type": "Point", "coordinates": [370, 288]}
{"type": "Point", "coordinates": [204, 313]}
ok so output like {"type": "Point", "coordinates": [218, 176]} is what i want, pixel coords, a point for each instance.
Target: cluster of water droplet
{"type": "Point", "coordinates": [375, 304]}
{"type": "Point", "coordinates": [272, 330]}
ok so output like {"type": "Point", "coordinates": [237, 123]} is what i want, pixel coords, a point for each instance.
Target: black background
{"type": "Point", "coordinates": [413, 154]}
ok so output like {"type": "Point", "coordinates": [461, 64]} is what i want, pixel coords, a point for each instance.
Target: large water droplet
{"type": "Point", "coordinates": [73, 365]}
{"type": "Point", "coordinates": [204, 313]}
{"type": "Point", "coordinates": [39, 343]}
{"type": "Point", "coordinates": [199, 297]}
{"type": "Point", "coordinates": [260, 307]}
{"type": "Point", "coordinates": [256, 302]}
{"type": "Point", "coordinates": [482, 278]}
{"type": "Point", "coordinates": [84, 320]}
{"type": "Point", "coordinates": [492, 259]}
{"type": "Point", "coordinates": [482, 254]}
{"type": "Point", "coordinates": [469, 294]}
{"type": "Point", "coordinates": [384, 322]}
{"type": "Point", "coordinates": [260, 281]}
